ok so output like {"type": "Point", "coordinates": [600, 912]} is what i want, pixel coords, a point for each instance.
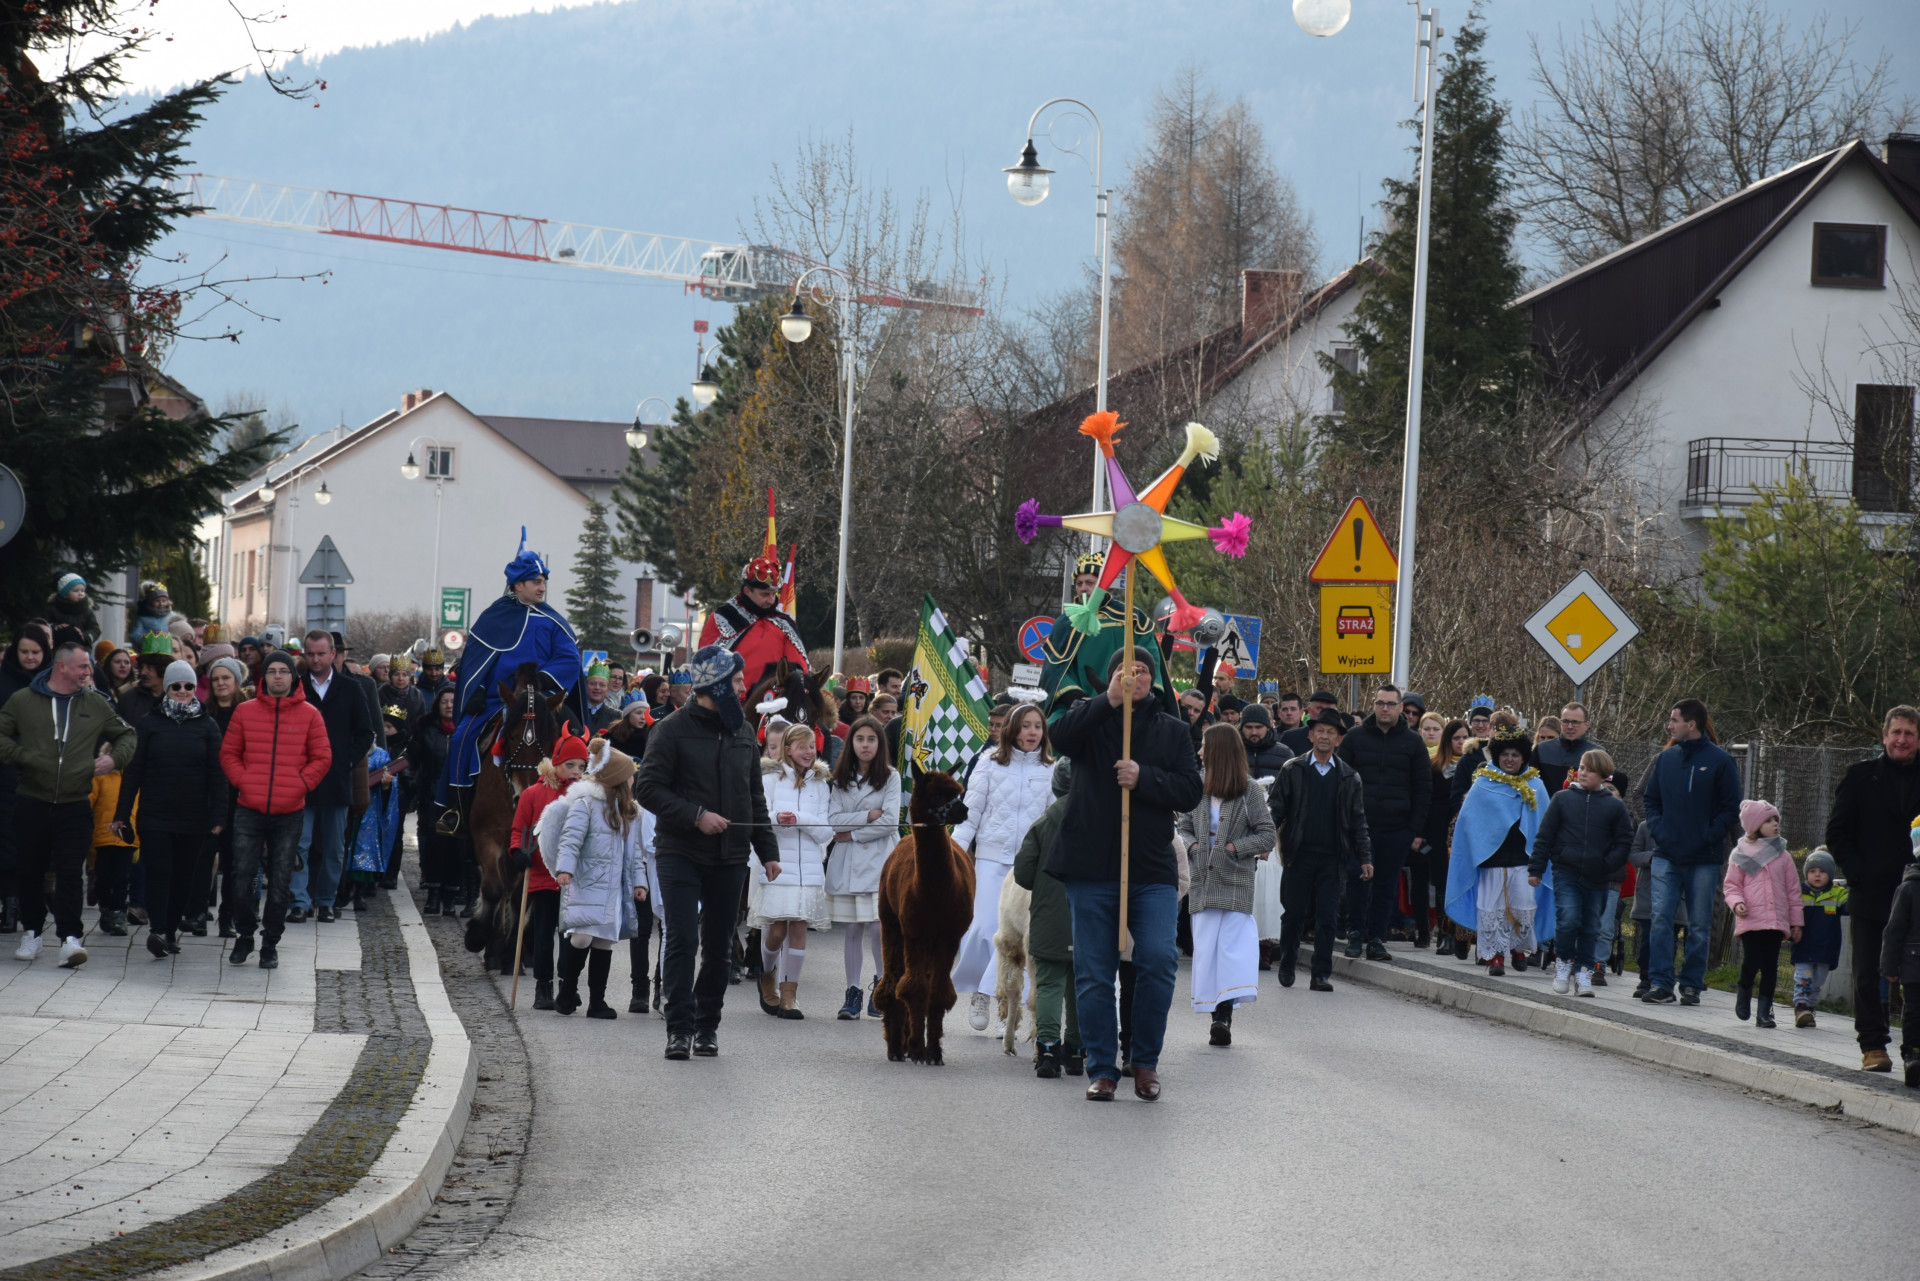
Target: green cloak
{"type": "Point", "coordinates": [1077, 663]}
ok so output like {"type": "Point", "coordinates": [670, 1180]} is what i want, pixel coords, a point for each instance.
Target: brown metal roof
{"type": "Point", "coordinates": [578, 450]}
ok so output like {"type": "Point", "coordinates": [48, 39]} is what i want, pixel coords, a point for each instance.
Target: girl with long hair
{"type": "Point", "coordinates": [1440, 811]}
{"type": "Point", "coordinates": [599, 862]}
{"type": "Point", "coordinates": [863, 805]}
{"type": "Point", "coordinates": [1221, 839]}
{"type": "Point", "coordinates": [798, 803]}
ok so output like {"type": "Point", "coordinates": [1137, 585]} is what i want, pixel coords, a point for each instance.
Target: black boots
{"type": "Point", "coordinates": [1222, 1031]}
{"type": "Point", "coordinates": [469, 889]}
{"type": "Point", "coordinates": [1743, 1002]}
{"type": "Point", "coordinates": [433, 901]}
{"type": "Point", "coordinates": [543, 994]}
{"type": "Point", "coordinates": [572, 961]}
{"type": "Point", "coordinates": [1763, 1011]}
{"type": "Point", "coordinates": [9, 915]}
{"type": "Point", "coordinates": [599, 965]}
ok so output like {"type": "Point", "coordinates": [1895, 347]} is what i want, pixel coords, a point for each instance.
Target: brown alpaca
{"type": "Point", "coordinates": [926, 905]}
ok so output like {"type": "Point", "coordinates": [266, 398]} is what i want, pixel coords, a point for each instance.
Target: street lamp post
{"type": "Point", "coordinates": [637, 434]}
{"type": "Point", "coordinates": [1324, 18]}
{"type": "Point", "coordinates": [411, 471]}
{"type": "Point", "coordinates": [1028, 183]}
{"type": "Point", "coordinates": [796, 326]}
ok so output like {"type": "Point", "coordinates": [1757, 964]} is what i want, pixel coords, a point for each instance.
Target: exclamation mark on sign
{"type": "Point", "coordinates": [1359, 527]}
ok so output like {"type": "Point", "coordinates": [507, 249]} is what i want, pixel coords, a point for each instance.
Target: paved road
{"type": "Point", "coordinates": [1354, 1135]}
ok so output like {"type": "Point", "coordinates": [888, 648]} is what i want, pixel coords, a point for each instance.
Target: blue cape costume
{"type": "Point", "coordinates": [507, 634]}
{"type": "Point", "coordinates": [1488, 813]}
{"type": "Point", "coordinates": [367, 861]}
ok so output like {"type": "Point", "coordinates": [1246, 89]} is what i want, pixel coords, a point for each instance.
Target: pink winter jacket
{"type": "Point", "coordinates": [1772, 894]}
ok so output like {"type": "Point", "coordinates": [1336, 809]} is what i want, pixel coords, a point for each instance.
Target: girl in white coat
{"type": "Point", "coordinates": [797, 897]}
{"type": "Point", "coordinates": [864, 808]}
{"type": "Point", "coordinates": [1010, 789]}
{"type": "Point", "coordinates": [600, 864]}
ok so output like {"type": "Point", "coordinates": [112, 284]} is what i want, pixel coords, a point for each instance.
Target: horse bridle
{"type": "Point", "coordinates": [528, 739]}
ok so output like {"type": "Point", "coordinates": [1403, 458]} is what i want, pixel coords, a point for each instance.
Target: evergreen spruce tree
{"type": "Point", "coordinates": [83, 197]}
{"type": "Point", "coordinates": [593, 602]}
{"type": "Point", "coordinates": [1476, 342]}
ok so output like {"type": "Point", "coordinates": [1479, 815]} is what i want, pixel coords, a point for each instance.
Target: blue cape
{"type": "Point", "coordinates": [507, 634]}
{"type": "Point", "coordinates": [1487, 814]}
{"type": "Point", "coordinates": [367, 860]}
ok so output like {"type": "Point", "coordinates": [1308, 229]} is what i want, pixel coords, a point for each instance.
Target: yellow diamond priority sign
{"type": "Point", "coordinates": [1582, 627]}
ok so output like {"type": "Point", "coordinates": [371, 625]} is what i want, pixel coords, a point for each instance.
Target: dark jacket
{"type": "Point", "coordinates": [54, 747]}
{"type": "Point", "coordinates": [693, 765]}
{"type": "Point", "coordinates": [1288, 802]}
{"type": "Point", "coordinates": [1088, 846]}
{"type": "Point", "coordinates": [1557, 758]}
{"type": "Point", "coordinates": [1820, 936]}
{"type": "Point", "coordinates": [1585, 835]}
{"type": "Point", "coordinates": [1867, 829]}
{"type": "Point", "coordinates": [1050, 931]}
{"type": "Point", "coordinates": [1693, 802]}
{"type": "Point", "coordinates": [1441, 808]}
{"type": "Point", "coordinates": [370, 691]}
{"type": "Point", "coordinates": [1397, 772]}
{"type": "Point", "coordinates": [1267, 760]}
{"type": "Point", "coordinates": [348, 712]}
{"type": "Point", "coordinates": [426, 757]}
{"type": "Point", "coordinates": [135, 703]}
{"type": "Point", "coordinates": [1900, 944]}
{"type": "Point", "coordinates": [176, 774]}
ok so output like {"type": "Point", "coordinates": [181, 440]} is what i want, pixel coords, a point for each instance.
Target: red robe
{"type": "Point", "coordinates": [761, 639]}
{"type": "Point", "coordinates": [526, 817]}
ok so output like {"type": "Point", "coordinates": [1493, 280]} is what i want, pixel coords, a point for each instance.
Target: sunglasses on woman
{"type": "Point", "coordinates": [181, 685]}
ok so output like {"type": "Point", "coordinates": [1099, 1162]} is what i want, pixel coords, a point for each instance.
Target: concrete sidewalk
{"type": "Point", "coordinates": [164, 1113]}
{"type": "Point", "coordinates": [1819, 1066]}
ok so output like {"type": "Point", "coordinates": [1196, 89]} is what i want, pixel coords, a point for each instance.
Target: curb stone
{"type": "Point", "coordinates": [1860, 1102]}
{"type": "Point", "coordinates": [355, 1229]}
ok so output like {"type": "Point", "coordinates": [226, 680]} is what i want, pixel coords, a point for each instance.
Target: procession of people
{"type": "Point", "coordinates": [1126, 820]}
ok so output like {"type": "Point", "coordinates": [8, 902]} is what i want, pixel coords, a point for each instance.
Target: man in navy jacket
{"type": "Point", "coordinates": [1693, 807]}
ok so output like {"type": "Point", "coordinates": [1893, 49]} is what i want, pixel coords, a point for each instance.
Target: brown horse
{"type": "Point", "coordinates": [528, 725]}
{"type": "Point", "coordinates": [926, 906]}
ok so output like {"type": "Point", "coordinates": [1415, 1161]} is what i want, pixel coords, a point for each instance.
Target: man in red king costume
{"type": "Point", "coordinates": [752, 624]}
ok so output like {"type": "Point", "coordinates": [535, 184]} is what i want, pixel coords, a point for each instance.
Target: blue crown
{"type": "Point", "coordinates": [680, 676]}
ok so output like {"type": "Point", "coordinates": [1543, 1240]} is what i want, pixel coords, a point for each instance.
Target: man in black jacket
{"type": "Point", "coordinates": [343, 705]}
{"type": "Point", "coordinates": [1398, 775]}
{"type": "Point", "coordinates": [701, 780]}
{"type": "Point", "coordinates": [1265, 755]}
{"type": "Point", "coordinates": [1319, 815]}
{"type": "Point", "coordinates": [1164, 779]}
{"type": "Point", "coordinates": [1868, 835]}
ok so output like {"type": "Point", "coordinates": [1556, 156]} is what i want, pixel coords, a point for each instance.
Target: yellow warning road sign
{"type": "Point", "coordinates": [1356, 628]}
{"type": "Point", "coordinates": [1356, 552]}
{"type": "Point", "coordinates": [1581, 627]}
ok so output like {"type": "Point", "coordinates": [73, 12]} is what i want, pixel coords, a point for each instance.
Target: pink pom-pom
{"type": "Point", "coordinates": [1185, 617]}
{"type": "Point", "coordinates": [1026, 520]}
{"type": "Point", "coordinates": [1231, 536]}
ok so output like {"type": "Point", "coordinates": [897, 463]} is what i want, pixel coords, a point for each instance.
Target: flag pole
{"type": "Point", "coordinates": [1126, 754]}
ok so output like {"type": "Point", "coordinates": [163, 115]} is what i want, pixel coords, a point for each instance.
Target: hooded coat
{"type": "Point", "coordinates": [1771, 892]}
{"type": "Point", "coordinates": [1003, 801]}
{"type": "Point", "coordinates": [605, 864]}
{"type": "Point", "coordinates": [52, 741]}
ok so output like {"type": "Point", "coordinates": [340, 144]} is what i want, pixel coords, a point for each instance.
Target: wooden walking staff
{"type": "Point", "coordinates": [520, 935]}
{"type": "Point", "coordinates": [1126, 754]}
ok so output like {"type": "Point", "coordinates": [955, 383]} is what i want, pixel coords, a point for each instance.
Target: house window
{"type": "Point", "coordinates": [1348, 358]}
{"type": "Point", "coordinates": [1848, 255]}
{"type": "Point", "coordinates": [1883, 447]}
{"type": "Point", "coordinates": [440, 462]}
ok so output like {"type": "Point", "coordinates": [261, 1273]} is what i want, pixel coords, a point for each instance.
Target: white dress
{"type": "Point", "coordinates": [1003, 801]}
{"type": "Point", "coordinates": [800, 892]}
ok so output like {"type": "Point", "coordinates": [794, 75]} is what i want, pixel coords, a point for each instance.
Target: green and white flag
{"type": "Point", "coordinates": [945, 713]}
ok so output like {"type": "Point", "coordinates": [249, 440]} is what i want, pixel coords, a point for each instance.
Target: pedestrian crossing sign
{"type": "Point", "coordinates": [1582, 627]}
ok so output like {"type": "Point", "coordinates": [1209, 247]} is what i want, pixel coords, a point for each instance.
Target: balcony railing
{"type": "Point", "coordinates": [1724, 471]}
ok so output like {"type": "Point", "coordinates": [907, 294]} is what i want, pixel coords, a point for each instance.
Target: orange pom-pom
{"type": "Point", "coordinates": [1101, 427]}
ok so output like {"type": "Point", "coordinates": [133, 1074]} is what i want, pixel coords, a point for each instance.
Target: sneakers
{"type": "Point", "coordinates": [1562, 977]}
{"type": "Point", "coordinates": [29, 946]}
{"type": "Point", "coordinates": [1689, 996]}
{"type": "Point", "coordinates": [1583, 982]}
{"type": "Point", "coordinates": [1377, 951]}
{"type": "Point", "coordinates": [978, 1010]}
{"type": "Point", "coordinates": [1354, 947]}
{"type": "Point", "coordinates": [269, 957]}
{"type": "Point", "coordinates": [850, 1010]}
{"type": "Point", "coordinates": [873, 1008]}
{"type": "Point", "coordinates": [1660, 996]}
{"type": "Point", "coordinates": [1073, 1060]}
{"type": "Point", "coordinates": [1599, 973]}
{"type": "Point", "coordinates": [113, 924]}
{"type": "Point", "coordinates": [1519, 962]}
{"type": "Point", "coordinates": [72, 955]}
{"type": "Point", "coordinates": [1641, 989]}
{"type": "Point", "coordinates": [1497, 965]}
{"type": "Point", "coordinates": [242, 949]}
{"type": "Point", "coordinates": [1046, 1062]}
{"type": "Point", "coordinates": [1803, 1016]}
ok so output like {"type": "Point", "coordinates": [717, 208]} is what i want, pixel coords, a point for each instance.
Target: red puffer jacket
{"type": "Point", "coordinates": [275, 752]}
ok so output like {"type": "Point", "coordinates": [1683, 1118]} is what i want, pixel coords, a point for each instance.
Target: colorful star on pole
{"type": "Point", "coordinates": [1138, 524]}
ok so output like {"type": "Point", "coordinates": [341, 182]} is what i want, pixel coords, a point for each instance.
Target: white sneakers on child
{"type": "Point", "coordinates": [1562, 974]}
{"type": "Point", "coordinates": [978, 1010]}
{"type": "Point", "coordinates": [1583, 983]}
{"type": "Point", "coordinates": [72, 955]}
{"type": "Point", "coordinates": [29, 946]}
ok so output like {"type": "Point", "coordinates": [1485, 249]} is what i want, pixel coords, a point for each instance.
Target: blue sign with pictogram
{"type": "Point", "coordinates": [1033, 638]}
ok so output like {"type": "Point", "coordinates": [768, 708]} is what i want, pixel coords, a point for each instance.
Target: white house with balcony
{"type": "Point", "coordinates": [1775, 331]}
{"type": "Point", "coordinates": [424, 505]}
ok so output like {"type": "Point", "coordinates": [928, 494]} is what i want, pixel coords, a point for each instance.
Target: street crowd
{"type": "Point", "coordinates": [185, 783]}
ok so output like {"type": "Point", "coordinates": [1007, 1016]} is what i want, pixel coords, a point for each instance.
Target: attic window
{"type": "Point", "coordinates": [440, 463]}
{"type": "Point", "coordinates": [1348, 358]}
{"type": "Point", "coordinates": [1849, 255]}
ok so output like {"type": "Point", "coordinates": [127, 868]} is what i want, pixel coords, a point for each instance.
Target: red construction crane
{"type": "Point", "coordinates": [719, 270]}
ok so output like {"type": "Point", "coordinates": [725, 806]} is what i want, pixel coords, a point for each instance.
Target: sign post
{"type": "Point", "coordinates": [1581, 627]}
{"type": "Point", "coordinates": [453, 607]}
{"type": "Point", "coordinates": [326, 579]}
{"type": "Point", "coordinates": [1355, 572]}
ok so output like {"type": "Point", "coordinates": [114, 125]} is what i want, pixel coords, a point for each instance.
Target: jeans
{"type": "Point", "coordinates": [323, 853]}
{"type": "Point", "coordinates": [172, 860]}
{"type": "Point", "coordinates": [1310, 895]}
{"type": "Point", "coordinates": [1370, 903]}
{"type": "Point", "coordinates": [1809, 977]}
{"type": "Point", "coordinates": [57, 838]}
{"type": "Point", "coordinates": [272, 841]}
{"type": "Point", "coordinates": [1578, 915]}
{"type": "Point", "coordinates": [1609, 927]}
{"type": "Point", "coordinates": [693, 1003]}
{"type": "Point", "coordinates": [1053, 992]}
{"type": "Point", "coordinates": [1699, 885]}
{"type": "Point", "coordinates": [1151, 910]}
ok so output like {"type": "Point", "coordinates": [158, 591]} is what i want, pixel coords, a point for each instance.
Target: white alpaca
{"type": "Point", "coordinates": [1014, 959]}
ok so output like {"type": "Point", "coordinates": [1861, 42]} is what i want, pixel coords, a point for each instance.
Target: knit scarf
{"type": "Point", "coordinates": [1750, 855]}
{"type": "Point", "coordinates": [179, 712]}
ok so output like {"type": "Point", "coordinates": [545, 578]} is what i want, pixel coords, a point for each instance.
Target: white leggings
{"type": "Point", "coordinates": [855, 933]}
{"type": "Point", "coordinates": [588, 940]}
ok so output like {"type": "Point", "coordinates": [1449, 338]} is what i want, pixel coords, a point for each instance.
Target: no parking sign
{"type": "Point", "coordinates": [1033, 638]}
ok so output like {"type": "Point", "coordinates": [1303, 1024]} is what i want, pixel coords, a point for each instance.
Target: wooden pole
{"type": "Point", "coordinates": [520, 935]}
{"type": "Point", "coordinates": [1126, 754]}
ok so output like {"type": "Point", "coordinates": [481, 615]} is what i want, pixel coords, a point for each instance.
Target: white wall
{"type": "Point", "coordinates": [1288, 378]}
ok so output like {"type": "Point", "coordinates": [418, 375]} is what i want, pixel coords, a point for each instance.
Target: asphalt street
{"type": "Point", "coordinates": [1356, 1134]}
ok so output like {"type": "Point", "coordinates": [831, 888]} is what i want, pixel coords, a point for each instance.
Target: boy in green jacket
{"type": "Point", "coordinates": [1050, 940]}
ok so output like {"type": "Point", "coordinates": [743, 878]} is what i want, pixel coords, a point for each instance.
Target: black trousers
{"type": "Point", "coordinates": [1910, 1027]}
{"type": "Point", "coordinates": [638, 948]}
{"type": "Point", "coordinates": [1869, 924]}
{"type": "Point", "coordinates": [543, 917]}
{"type": "Point", "coordinates": [271, 841]}
{"type": "Point", "coordinates": [1310, 892]}
{"type": "Point", "coordinates": [57, 838]}
{"type": "Point", "coordinates": [1760, 960]}
{"type": "Point", "coordinates": [693, 1003]}
{"type": "Point", "coordinates": [1419, 870]}
{"type": "Point", "coordinates": [172, 860]}
{"type": "Point", "coordinates": [437, 864]}
{"type": "Point", "coordinates": [112, 866]}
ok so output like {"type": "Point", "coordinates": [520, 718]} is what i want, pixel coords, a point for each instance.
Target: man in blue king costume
{"type": "Point", "coordinates": [519, 627]}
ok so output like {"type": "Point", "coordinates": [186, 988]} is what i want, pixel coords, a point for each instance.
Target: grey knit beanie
{"type": "Point", "coordinates": [1823, 861]}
